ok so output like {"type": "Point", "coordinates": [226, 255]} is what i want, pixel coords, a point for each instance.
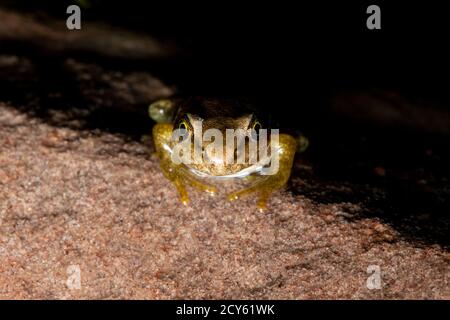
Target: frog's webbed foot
{"type": "Point", "coordinates": [272, 183]}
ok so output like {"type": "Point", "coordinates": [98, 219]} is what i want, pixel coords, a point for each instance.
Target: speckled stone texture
{"type": "Point", "coordinates": [98, 201]}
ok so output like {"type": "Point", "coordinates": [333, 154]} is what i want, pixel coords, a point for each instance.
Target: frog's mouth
{"type": "Point", "coordinates": [237, 170]}
{"type": "Point", "coordinates": [256, 168]}
{"type": "Point", "coordinates": [209, 171]}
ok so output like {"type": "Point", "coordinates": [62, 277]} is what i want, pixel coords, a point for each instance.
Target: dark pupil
{"type": "Point", "coordinates": [182, 126]}
{"type": "Point", "coordinates": [257, 127]}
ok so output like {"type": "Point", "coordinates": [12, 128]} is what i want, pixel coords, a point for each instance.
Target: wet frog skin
{"type": "Point", "coordinates": [221, 114]}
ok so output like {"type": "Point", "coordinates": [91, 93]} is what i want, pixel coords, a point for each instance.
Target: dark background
{"type": "Point", "coordinates": [284, 49]}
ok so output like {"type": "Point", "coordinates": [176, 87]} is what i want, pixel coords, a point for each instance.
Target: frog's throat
{"type": "Point", "coordinates": [255, 168]}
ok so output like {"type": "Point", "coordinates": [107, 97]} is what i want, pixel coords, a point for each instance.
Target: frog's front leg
{"type": "Point", "coordinates": [264, 188]}
{"type": "Point", "coordinates": [176, 173]}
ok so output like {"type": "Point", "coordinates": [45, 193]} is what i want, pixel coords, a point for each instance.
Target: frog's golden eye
{"type": "Point", "coordinates": [183, 125]}
{"type": "Point", "coordinates": [184, 128]}
{"type": "Point", "coordinates": [257, 126]}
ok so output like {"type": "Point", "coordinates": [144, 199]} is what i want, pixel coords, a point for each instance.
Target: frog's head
{"type": "Point", "coordinates": [200, 116]}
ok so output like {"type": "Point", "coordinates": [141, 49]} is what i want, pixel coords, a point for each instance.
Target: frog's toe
{"type": "Point", "coordinates": [302, 143]}
{"type": "Point", "coordinates": [184, 197]}
{"type": "Point", "coordinates": [212, 191]}
{"type": "Point", "coordinates": [241, 193]}
{"type": "Point", "coordinates": [232, 197]}
{"type": "Point", "coordinates": [262, 200]}
{"type": "Point", "coordinates": [202, 186]}
{"type": "Point", "coordinates": [162, 111]}
{"type": "Point", "coordinates": [263, 197]}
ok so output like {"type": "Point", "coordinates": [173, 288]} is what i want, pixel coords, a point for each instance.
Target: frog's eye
{"type": "Point", "coordinates": [257, 126]}
{"type": "Point", "coordinates": [184, 129]}
{"type": "Point", "coordinates": [255, 129]}
{"type": "Point", "coordinates": [183, 125]}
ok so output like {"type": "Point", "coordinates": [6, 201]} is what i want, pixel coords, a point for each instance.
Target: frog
{"type": "Point", "coordinates": [185, 113]}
